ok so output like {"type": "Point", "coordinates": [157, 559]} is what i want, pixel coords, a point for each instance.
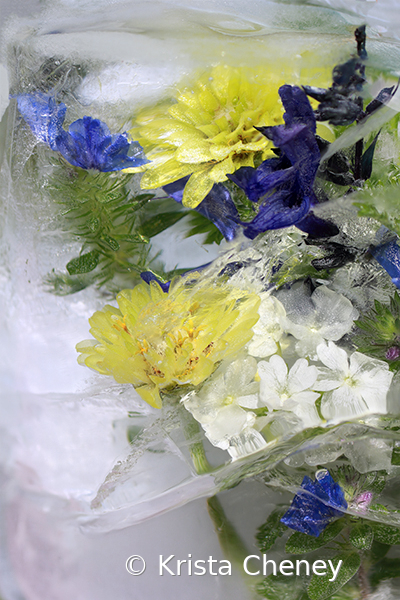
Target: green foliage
{"type": "Point", "coordinates": [246, 208]}
{"type": "Point", "coordinates": [379, 330]}
{"type": "Point", "coordinates": [320, 587]}
{"type": "Point", "coordinates": [277, 587]}
{"type": "Point", "coordinates": [299, 266]}
{"type": "Point", "coordinates": [362, 536]}
{"type": "Point", "coordinates": [386, 534]}
{"type": "Point", "coordinates": [379, 200]}
{"type": "Point", "coordinates": [396, 454]}
{"type": "Point", "coordinates": [387, 568]}
{"type": "Point", "coordinates": [301, 543]}
{"type": "Point", "coordinates": [159, 214]}
{"type": "Point", "coordinates": [378, 551]}
{"type": "Point", "coordinates": [200, 224]}
{"type": "Point", "coordinates": [272, 529]}
{"type": "Point", "coordinates": [84, 263]}
{"type": "Point", "coordinates": [101, 212]}
{"type": "Point", "coordinates": [359, 543]}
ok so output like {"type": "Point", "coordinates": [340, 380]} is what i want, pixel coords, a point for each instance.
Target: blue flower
{"type": "Point", "coordinates": [316, 504]}
{"type": "Point", "coordinates": [285, 184]}
{"type": "Point", "coordinates": [217, 206]}
{"type": "Point", "coordinates": [44, 116]}
{"type": "Point", "coordinates": [388, 256]}
{"type": "Point", "coordinates": [87, 144]}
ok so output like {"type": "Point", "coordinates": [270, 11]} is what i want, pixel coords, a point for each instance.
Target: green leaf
{"type": "Point", "coordinates": [300, 543]}
{"type": "Point", "coordinates": [367, 158]}
{"type": "Point", "coordinates": [379, 550]}
{"type": "Point", "coordinates": [132, 238]}
{"type": "Point", "coordinates": [83, 263]}
{"type": "Point", "coordinates": [385, 569]}
{"type": "Point", "coordinates": [201, 225]}
{"type": "Point", "coordinates": [396, 454]}
{"type": "Point", "coordinates": [271, 530]}
{"type": "Point", "coordinates": [280, 587]}
{"type": "Point", "coordinates": [380, 204]}
{"type": "Point", "coordinates": [362, 536]}
{"type": "Point", "coordinates": [386, 534]}
{"type": "Point", "coordinates": [320, 587]}
{"type": "Point", "coordinates": [159, 223]}
{"type": "Point", "coordinates": [101, 210]}
{"type": "Point", "coordinates": [378, 481]}
{"type": "Point", "coordinates": [111, 242]}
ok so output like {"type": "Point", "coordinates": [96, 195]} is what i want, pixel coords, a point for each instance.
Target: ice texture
{"type": "Point", "coordinates": [67, 468]}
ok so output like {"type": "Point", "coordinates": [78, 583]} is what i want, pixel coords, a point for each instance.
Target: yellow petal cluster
{"type": "Point", "coordinates": [209, 131]}
{"type": "Point", "coordinates": [157, 340]}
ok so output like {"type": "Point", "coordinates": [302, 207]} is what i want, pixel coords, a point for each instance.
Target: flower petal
{"type": "Point", "coordinates": [333, 357]}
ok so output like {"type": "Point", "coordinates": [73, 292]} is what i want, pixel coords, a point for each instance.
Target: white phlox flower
{"type": "Point", "coordinates": [268, 329]}
{"type": "Point", "coordinates": [220, 407]}
{"type": "Point", "coordinates": [353, 386]}
{"type": "Point", "coordinates": [292, 390]}
{"type": "Point", "coordinates": [325, 315]}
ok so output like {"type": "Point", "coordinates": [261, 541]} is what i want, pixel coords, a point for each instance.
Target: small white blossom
{"type": "Point", "coordinates": [268, 329]}
{"type": "Point", "coordinates": [220, 407]}
{"type": "Point", "coordinates": [354, 386]}
{"type": "Point", "coordinates": [281, 389]}
{"type": "Point", "coordinates": [325, 315]}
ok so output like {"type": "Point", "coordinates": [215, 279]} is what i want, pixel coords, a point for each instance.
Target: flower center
{"type": "Point", "coordinates": [229, 400]}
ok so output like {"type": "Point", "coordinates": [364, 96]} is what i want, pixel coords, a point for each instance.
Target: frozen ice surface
{"type": "Point", "coordinates": [370, 454]}
{"type": "Point", "coordinates": [64, 429]}
{"type": "Point", "coordinates": [51, 558]}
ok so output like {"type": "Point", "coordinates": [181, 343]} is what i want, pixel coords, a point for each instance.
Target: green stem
{"type": "Point", "coordinates": [230, 541]}
{"type": "Point", "coordinates": [363, 583]}
{"type": "Point", "coordinates": [191, 430]}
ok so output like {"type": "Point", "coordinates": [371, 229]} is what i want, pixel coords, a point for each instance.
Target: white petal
{"type": "Point", "coordinates": [303, 398]}
{"type": "Point", "coordinates": [342, 404]}
{"type": "Point", "coordinates": [280, 369]}
{"type": "Point", "coordinates": [308, 414]}
{"type": "Point", "coordinates": [262, 346]}
{"type": "Point", "coordinates": [230, 421]}
{"type": "Point", "coordinates": [270, 398]}
{"type": "Point", "coordinates": [326, 380]}
{"type": "Point", "coordinates": [301, 376]}
{"type": "Point", "coordinates": [335, 314]}
{"type": "Point", "coordinates": [307, 346]}
{"type": "Point", "coordinates": [273, 373]}
{"type": "Point", "coordinates": [360, 363]}
{"type": "Point", "coordinates": [239, 374]}
{"type": "Point", "coordinates": [296, 329]}
{"type": "Point", "coordinates": [250, 401]}
{"type": "Point", "coordinates": [333, 357]}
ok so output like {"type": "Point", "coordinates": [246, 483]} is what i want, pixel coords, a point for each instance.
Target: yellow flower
{"type": "Point", "coordinates": [209, 132]}
{"type": "Point", "coordinates": [157, 340]}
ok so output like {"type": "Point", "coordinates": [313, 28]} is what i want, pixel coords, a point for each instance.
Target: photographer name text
{"type": "Point", "coordinates": [252, 565]}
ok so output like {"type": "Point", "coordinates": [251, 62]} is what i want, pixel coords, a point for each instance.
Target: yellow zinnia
{"type": "Point", "coordinates": [209, 132]}
{"type": "Point", "coordinates": [157, 340]}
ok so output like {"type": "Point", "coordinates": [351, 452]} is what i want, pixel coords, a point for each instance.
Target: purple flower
{"type": "Point", "coordinates": [316, 504]}
{"type": "Point", "coordinates": [285, 184]}
{"type": "Point", "coordinates": [87, 144]}
{"type": "Point", "coordinates": [148, 276]}
{"type": "Point", "coordinates": [393, 353]}
{"type": "Point", "coordinates": [363, 501]}
{"type": "Point", "coordinates": [217, 206]}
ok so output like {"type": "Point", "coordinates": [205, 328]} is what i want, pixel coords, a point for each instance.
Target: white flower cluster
{"type": "Point", "coordinates": [293, 376]}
